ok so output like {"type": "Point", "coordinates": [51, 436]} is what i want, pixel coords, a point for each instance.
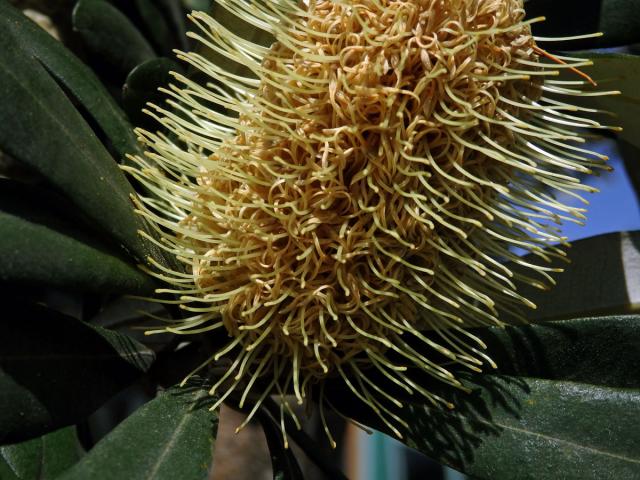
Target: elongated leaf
{"type": "Point", "coordinates": [175, 13]}
{"type": "Point", "coordinates": [42, 458]}
{"type": "Point", "coordinates": [619, 20]}
{"type": "Point", "coordinates": [525, 428]}
{"type": "Point", "coordinates": [156, 24]}
{"type": "Point", "coordinates": [601, 351]}
{"type": "Point", "coordinates": [522, 427]}
{"type": "Point", "coordinates": [76, 77]}
{"type": "Point", "coordinates": [623, 71]}
{"type": "Point", "coordinates": [141, 87]}
{"type": "Point", "coordinates": [603, 277]}
{"type": "Point", "coordinates": [34, 254]}
{"type": "Point", "coordinates": [598, 351]}
{"type": "Point", "coordinates": [160, 21]}
{"type": "Point", "coordinates": [534, 429]}
{"type": "Point", "coordinates": [616, 71]}
{"type": "Point", "coordinates": [40, 127]}
{"type": "Point", "coordinates": [110, 36]}
{"type": "Point", "coordinates": [202, 5]}
{"type": "Point", "coordinates": [39, 246]}
{"type": "Point", "coordinates": [55, 370]}
{"type": "Point", "coordinates": [169, 438]}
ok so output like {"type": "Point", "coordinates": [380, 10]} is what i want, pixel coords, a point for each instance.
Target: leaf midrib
{"type": "Point", "coordinates": [176, 433]}
{"type": "Point", "coordinates": [538, 435]}
{"type": "Point", "coordinates": [565, 442]}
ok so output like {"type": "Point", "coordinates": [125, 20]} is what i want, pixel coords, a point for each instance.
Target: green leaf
{"type": "Point", "coordinates": [575, 418]}
{"type": "Point", "coordinates": [42, 458]}
{"type": "Point", "coordinates": [603, 277]}
{"type": "Point", "coordinates": [56, 370]}
{"type": "Point", "coordinates": [202, 5]}
{"type": "Point", "coordinates": [525, 428]}
{"type": "Point", "coordinates": [172, 437]}
{"type": "Point", "coordinates": [110, 36]}
{"type": "Point", "coordinates": [533, 429]}
{"type": "Point", "coordinates": [40, 127]}
{"type": "Point", "coordinates": [141, 87]}
{"type": "Point", "coordinates": [600, 351]}
{"type": "Point", "coordinates": [35, 254]}
{"type": "Point", "coordinates": [619, 20]}
{"type": "Point", "coordinates": [76, 77]}
{"type": "Point", "coordinates": [156, 25]}
{"type": "Point", "coordinates": [162, 22]}
{"type": "Point", "coordinates": [175, 13]}
{"type": "Point", "coordinates": [39, 246]}
{"type": "Point", "coordinates": [616, 71]}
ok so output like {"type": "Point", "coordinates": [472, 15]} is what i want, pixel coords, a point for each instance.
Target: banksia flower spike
{"type": "Point", "coordinates": [357, 186]}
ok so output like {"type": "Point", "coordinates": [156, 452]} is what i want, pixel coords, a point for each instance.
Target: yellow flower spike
{"type": "Point", "coordinates": [359, 183]}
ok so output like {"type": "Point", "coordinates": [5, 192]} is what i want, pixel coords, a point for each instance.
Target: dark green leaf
{"type": "Point", "coordinates": [615, 71]}
{"type": "Point", "coordinates": [56, 370]}
{"type": "Point", "coordinates": [175, 14]}
{"type": "Point", "coordinates": [601, 351]}
{"type": "Point", "coordinates": [156, 25]}
{"type": "Point", "coordinates": [162, 22]}
{"type": "Point", "coordinates": [202, 5]}
{"type": "Point", "coordinates": [598, 351]}
{"type": "Point", "coordinates": [534, 429]}
{"type": "Point", "coordinates": [40, 127]}
{"type": "Point", "coordinates": [619, 20]}
{"type": "Point", "coordinates": [42, 458]}
{"type": "Point", "coordinates": [73, 75]}
{"type": "Point", "coordinates": [172, 437]}
{"type": "Point", "coordinates": [34, 254]}
{"type": "Point", "coordinates": [39, 246]}
{"type": "Point", "coordinates": [524, 428]}
{"type": "Point", "coordinates": [621, 72]}
{"type": "Point", "coordinates": [603, 277]}
{"type": "Point", "coordinates": [142, 87]}
{"type": "Point", "coordinates": [110, 36]}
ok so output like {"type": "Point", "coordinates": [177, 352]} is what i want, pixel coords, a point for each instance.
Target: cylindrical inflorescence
{"type": "Point", "coordinates": [360, 182]}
